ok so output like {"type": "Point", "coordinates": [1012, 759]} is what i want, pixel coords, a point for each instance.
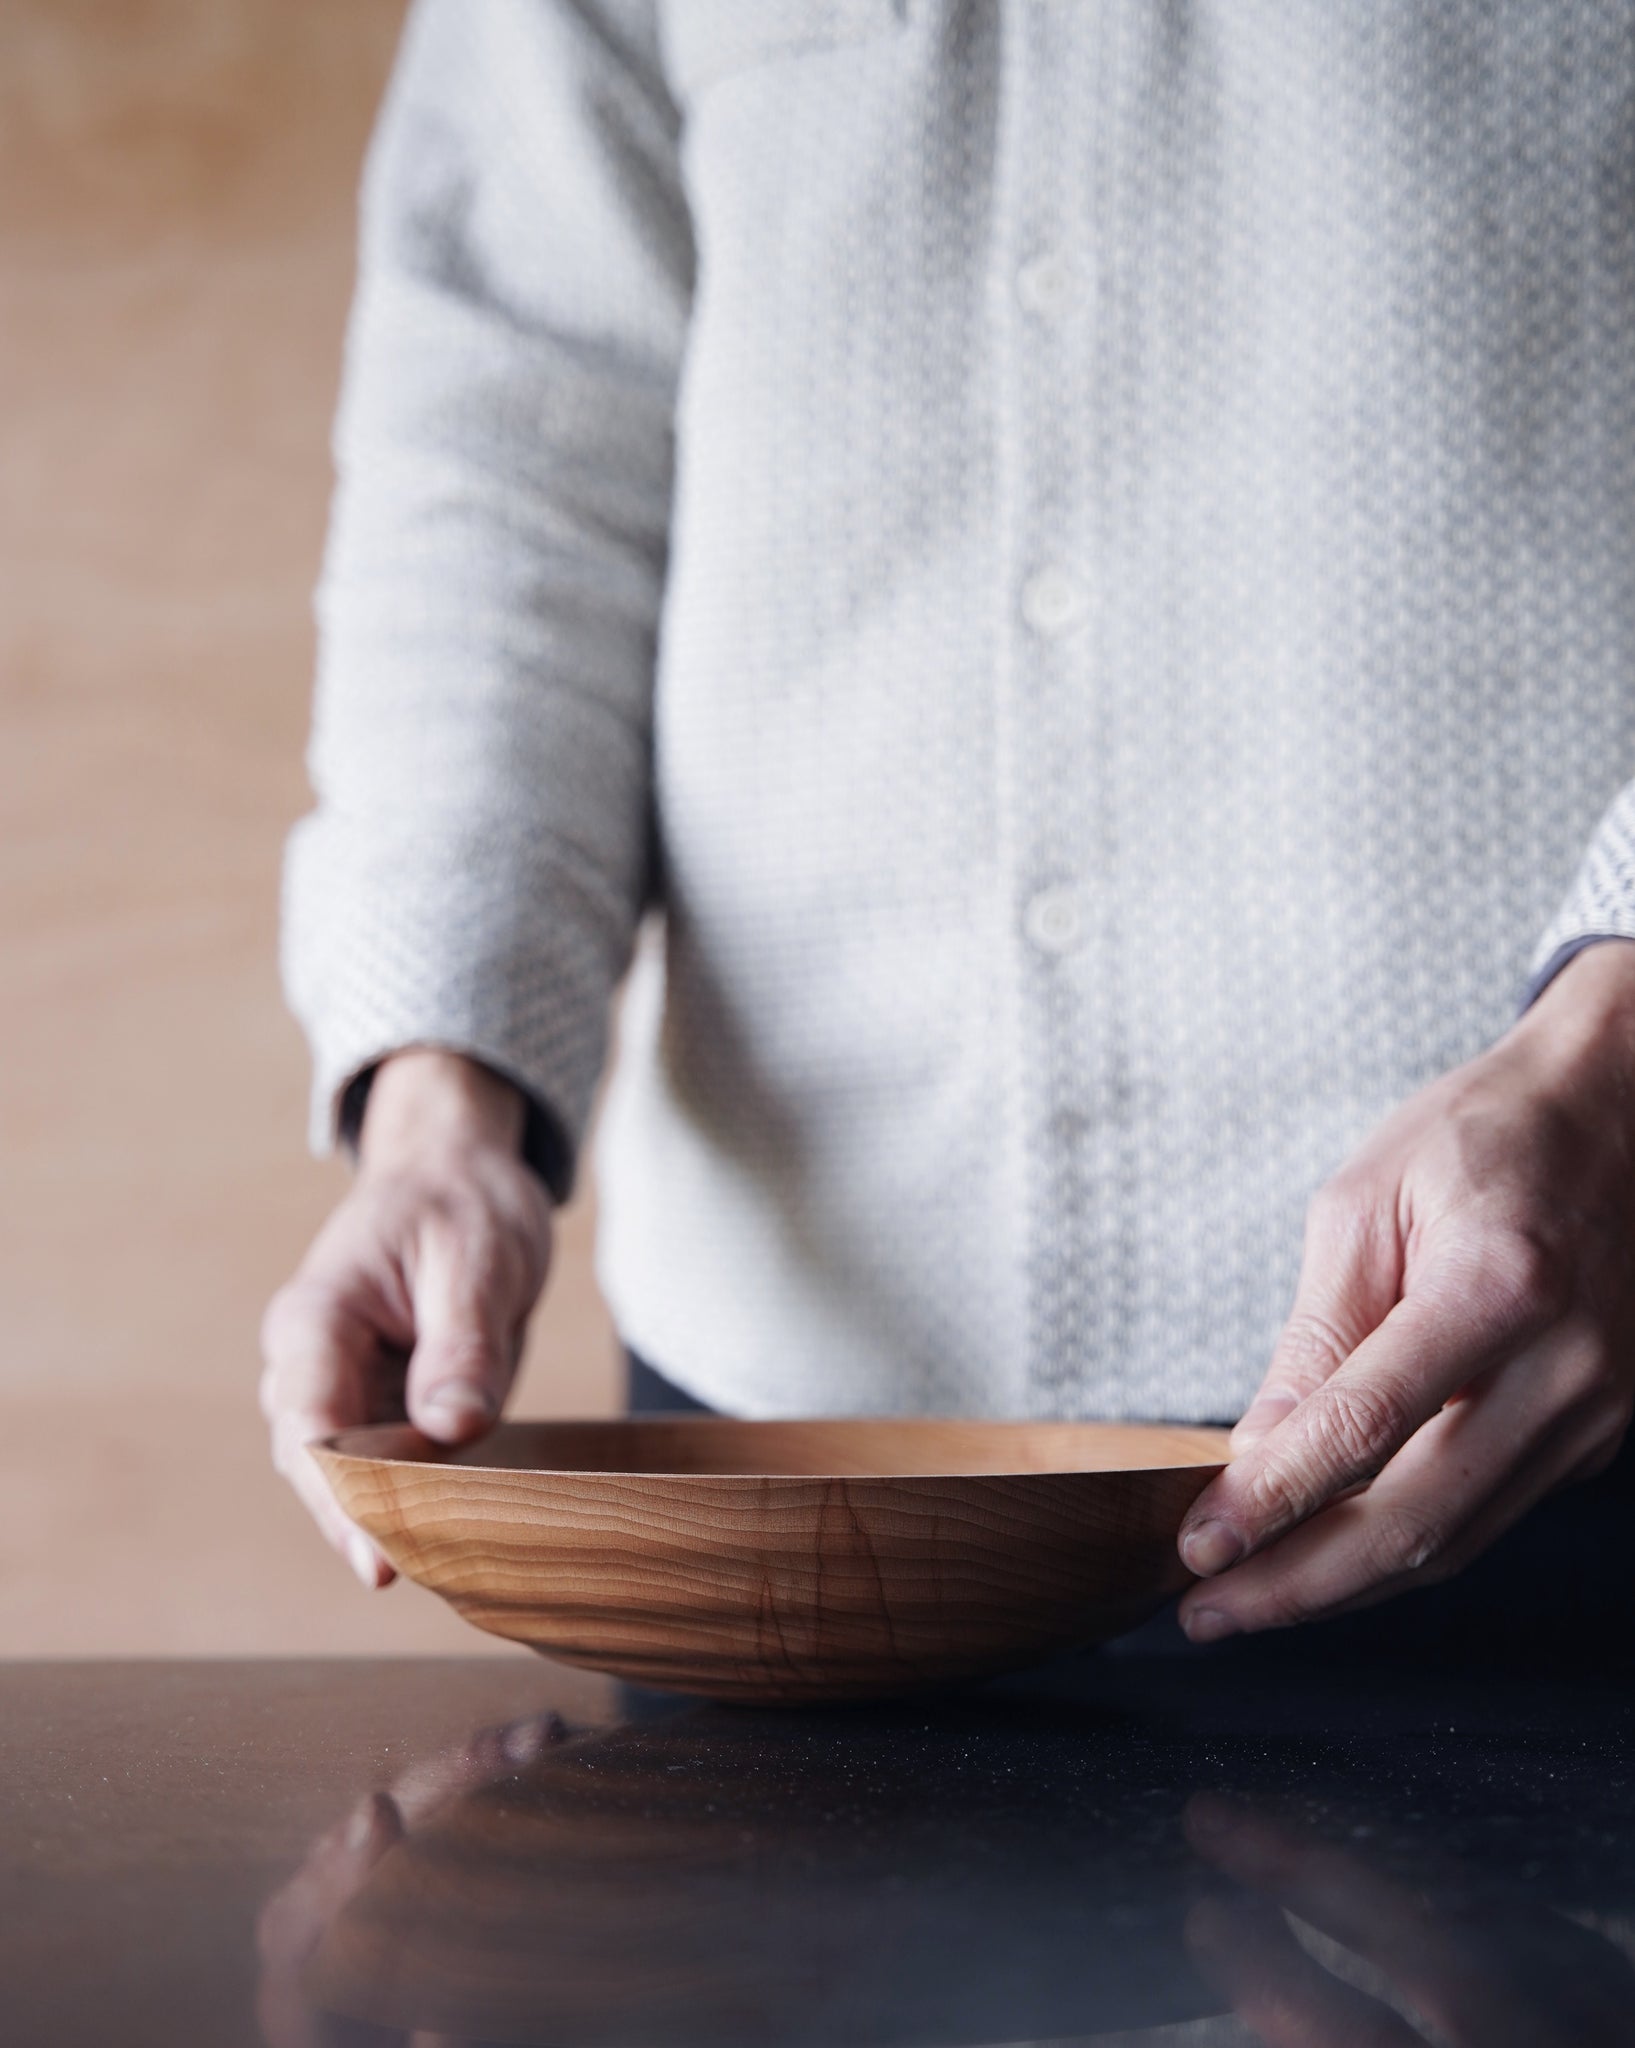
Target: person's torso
{"type": "Point", "coordinates": [1150, 628]}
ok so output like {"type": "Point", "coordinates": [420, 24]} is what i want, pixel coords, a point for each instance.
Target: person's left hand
{"type": "Point", "coordinates": [296, 1918]}
{"type": "Point", "coordinates": [1462, 1341]}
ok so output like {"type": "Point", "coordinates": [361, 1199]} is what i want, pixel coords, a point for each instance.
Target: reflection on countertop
{"type": "Point", "coordinates": [1153, 1849]}
{"type": "Point", "coordinates": [720, 1878]}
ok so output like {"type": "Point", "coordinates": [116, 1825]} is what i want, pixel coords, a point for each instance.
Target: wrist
{"type": "Point", "coordinates": [1586, 1016]}
{"type": "Point", "coordinates": [425, 1102]}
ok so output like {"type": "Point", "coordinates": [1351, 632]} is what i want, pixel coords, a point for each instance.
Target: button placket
{"type": "Point", "coordinates": [1063, 909]}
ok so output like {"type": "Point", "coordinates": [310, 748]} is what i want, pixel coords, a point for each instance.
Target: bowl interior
{"type": "Point", "coordinates": [914, 1447]}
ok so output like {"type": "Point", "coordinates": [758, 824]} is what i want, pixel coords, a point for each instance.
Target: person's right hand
{"type": "Point", "coordinates": [1480, 1967]}
{"type": "Point", "coordinates": [415, 1295]}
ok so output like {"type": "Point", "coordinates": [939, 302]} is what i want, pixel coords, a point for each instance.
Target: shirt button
{"type": "Point", "coordinates": [1042, 285]}
{"type": "Point", "coordinates": [1054, 919]}
{"type": "Point", "coordinates": [1052, 603]}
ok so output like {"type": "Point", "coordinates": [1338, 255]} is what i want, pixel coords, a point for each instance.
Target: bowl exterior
{"type": "Point", "coordinates": [781, 1588]}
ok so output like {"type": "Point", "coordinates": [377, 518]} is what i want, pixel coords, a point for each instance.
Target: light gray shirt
{"type": "Point", "coordinates": [1075, 561]}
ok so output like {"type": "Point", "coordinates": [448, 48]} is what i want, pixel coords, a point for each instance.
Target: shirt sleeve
{"type": "Point", "coordinates": [1599, 905]}
{"type": "Point", "coordinates": [482, 844]}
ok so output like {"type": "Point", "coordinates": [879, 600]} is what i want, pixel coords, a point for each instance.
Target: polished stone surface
{"type": "Point", "coordinates": [1269, 1845]}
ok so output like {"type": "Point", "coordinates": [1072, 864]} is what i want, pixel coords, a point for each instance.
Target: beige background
{"type": "Point", "coordinates": [177, 189]}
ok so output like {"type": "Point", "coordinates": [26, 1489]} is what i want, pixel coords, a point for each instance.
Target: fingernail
{"type": "Point", "coordinates": [1210, 1547]}
{"type": "Point", "coordinates": [524, 1742]}
{"type": "Point", "coordinates": [1208, 1625]}
{"type": "Point", "coordinates": [364, 1559]}
{"type": "Point", "coordinates": [360, 1829]}
{"type": "Point", "coordinates": [1263, 1417]}
{"type": "Point", "coordinates": [455, 1403]}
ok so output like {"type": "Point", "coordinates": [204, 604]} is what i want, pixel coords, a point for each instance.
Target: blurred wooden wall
{"type": "Point", "coordinates": [177, 194]}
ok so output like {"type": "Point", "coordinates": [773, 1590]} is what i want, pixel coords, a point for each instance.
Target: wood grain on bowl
{"type": "Point", "coordinates": [786, 1560]}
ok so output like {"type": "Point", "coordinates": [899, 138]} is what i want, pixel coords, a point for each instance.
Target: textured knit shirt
{"type": "Point", "coordinates": [1059, 574]}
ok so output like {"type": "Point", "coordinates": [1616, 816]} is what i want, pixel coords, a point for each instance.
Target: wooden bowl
{"type": "Point", "coordinates": [786, 1560]}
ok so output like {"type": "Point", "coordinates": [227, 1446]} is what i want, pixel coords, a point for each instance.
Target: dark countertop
{"type": "Point", "coordinates": [414, 1852]}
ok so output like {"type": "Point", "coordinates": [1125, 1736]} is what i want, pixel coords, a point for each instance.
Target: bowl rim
{"type": "Point", "coordinates": [336, 1446]}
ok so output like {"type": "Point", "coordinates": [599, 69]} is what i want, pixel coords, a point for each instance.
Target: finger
{"type": "Point", "coordinates": [294, 1921]}
{"type": "Point", "coordinates": [293, 1432]}
{"type": "Point", "coordinates": [467, 1334]}
{"type": "Point", "coordinates": [1341, 1897]}
{"type": "Point", "coordinates": [1350, 1279]}
{"type": "Point", "coordinates": [486, 1758]}
{"type": "Point", "coordinates": [321, 1362]}
{"type": "Point", "coordinates": [1568, 1448]}
{"type": "Point", "coordinates": [1467, 1476]}
{"type": "Point", "coordinates": [1436, 1341]}
{"type": "Point", "coordinates": [1244, 1950]}
{"type": "Point", "coordinates": [1325, 1886]}
{"type": "Point", "coordinates": [1539, 1478]}
{"type": "Point", "coordinates": [1503, 1978]}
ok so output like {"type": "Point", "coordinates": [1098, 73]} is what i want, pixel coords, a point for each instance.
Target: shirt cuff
{"type": "Point", "coordinates": [544, 1142]}
{"type": "Point", "coordinates": [1568, 950]}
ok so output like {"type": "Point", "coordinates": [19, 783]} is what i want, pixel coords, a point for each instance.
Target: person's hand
{"type": "Point", "coordinates": [295, 1919]}
{"type": "Point", "coordinates": [1482, 1971]}
{"type": "Point", "coordinates": [415, 1295]}
{"type": "Point", "coordinates": [1463, 1338]}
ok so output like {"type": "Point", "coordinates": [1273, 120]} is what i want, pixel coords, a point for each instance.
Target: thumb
{"type": "Point", "coordinates": [1350, 1280]}
{"type": "Point", "coordinates": [464, 1356]}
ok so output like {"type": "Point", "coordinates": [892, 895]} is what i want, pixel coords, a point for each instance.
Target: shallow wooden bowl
{"type": "Point", "coordinates": [786, 1560]}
